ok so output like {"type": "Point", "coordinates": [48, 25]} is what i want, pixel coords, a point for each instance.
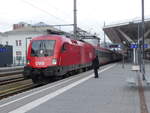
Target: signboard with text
{"type": "Point", "coordinates": [137, 46]}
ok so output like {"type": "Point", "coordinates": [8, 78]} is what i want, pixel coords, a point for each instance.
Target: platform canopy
{"type": "Point", "coordinates": [128, 32]}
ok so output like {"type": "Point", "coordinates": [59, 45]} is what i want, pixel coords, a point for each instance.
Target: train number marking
{"type": "Point", "coordinates": [40, 63]}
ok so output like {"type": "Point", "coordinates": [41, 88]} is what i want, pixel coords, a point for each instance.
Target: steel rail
{"type": "Point", "coordinates": [16, 90]}
{"type": "Point", "coordinates": [12, 80]}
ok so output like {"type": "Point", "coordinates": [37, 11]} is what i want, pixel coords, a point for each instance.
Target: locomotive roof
{"type": "Point", "coordinates": [66, 39]}
{"type": "Point", "coordinates": [47, 37]}
{"type": "Point", "coordinates": [59, 37]}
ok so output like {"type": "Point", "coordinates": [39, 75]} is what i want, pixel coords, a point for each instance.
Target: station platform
{"type": "Point", "coordinates": [110, 93]}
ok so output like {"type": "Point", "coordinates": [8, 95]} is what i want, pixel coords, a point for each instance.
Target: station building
{"type": "Point", "coordinates": [20, 37]}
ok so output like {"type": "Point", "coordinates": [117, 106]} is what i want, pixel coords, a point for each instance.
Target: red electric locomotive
{"type": "Point", "coordinates": [55, 55]}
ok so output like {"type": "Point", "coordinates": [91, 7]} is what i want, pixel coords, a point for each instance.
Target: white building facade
{"type": "Point", "coordinates": [20, 39]}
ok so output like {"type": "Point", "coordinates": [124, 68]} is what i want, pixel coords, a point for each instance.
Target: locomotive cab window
{"type": "Point", "coordinates": [42, 48]}
{"type": "Point", "coordinates": [65, 47]}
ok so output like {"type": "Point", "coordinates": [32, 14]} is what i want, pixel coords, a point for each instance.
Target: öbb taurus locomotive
{"type": "Point", "coordinates": [55, 55]}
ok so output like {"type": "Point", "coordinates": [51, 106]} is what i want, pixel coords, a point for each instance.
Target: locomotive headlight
{"type": "Point", "coordinates": [54, 61]}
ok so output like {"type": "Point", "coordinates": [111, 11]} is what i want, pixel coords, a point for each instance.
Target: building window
{"type": "Point", "coordinates": [20, 43]}
{"type": "Point", "coordinates": [6, 42]}
{"type": "Point", "coordinates": [16, 42]}
{"type": "Point", "coordinates": [18, 53]}
{"type": "Point", "coordinates": [18, 56]}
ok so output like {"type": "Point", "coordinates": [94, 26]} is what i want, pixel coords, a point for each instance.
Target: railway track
{"type": "Point", "coordinates": [8, 69]}
{"type": "Point", "coordinates": [10, 73]}
{"type": "Point", "coordinates": [11, 80]}
{"type": "Point", "coordinates": [15, 88]}
{"type": "Point", "coordinates": [12, 86]}
{"type": "Point", "coordinates": [9, 77]}
{"type": "Point", "coordinates": [15, 85]}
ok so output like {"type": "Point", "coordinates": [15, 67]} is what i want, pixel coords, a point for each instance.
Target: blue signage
{"type": "Point", "coordinates": [145, 45]}
{"type": "Point", "coordinates": [134, 46]}
{"type": "Point", "coordinates": [3, 50]}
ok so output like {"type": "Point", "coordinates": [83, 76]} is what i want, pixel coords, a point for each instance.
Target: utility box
{"type": "Point", "coordinates": [6, 55]}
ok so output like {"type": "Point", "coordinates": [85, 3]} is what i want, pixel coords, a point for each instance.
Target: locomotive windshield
{"type": "Point", "coordinates": [42, 48]}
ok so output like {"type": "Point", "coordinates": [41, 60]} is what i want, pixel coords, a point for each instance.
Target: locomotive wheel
{"type": "Point", "coordinates": [59, 77]}
{"type": "Point", "coordinates": [35, 80]}
{"type": "Point", "coordinates": [81, 70]}
{"type": "Point", "coordinates": [66, 75]}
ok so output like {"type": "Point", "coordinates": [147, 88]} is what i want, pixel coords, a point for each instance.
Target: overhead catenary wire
{"type": "Point", "coordinates": [56, 8]}
{"type": "Point", "coordinates": [46, 12]}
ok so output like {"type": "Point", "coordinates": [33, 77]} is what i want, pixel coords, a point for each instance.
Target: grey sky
{"type": "Point", "coordinates": [91, 13]}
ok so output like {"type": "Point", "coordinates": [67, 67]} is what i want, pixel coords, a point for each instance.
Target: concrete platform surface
{"type": "Point", "coordinates": [110, 93]}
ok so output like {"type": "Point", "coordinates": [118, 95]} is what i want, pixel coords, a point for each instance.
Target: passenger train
{"type": "Point", "coordinates": [55, 55]}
